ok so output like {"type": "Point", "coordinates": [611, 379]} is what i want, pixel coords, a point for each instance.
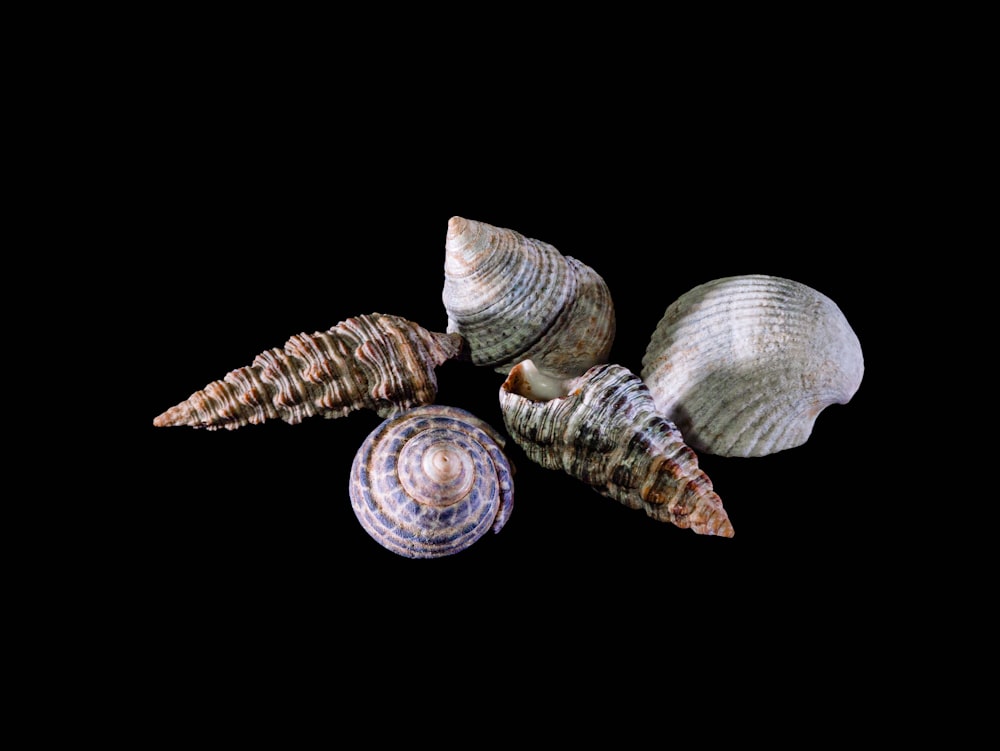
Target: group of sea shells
{"type": "Point", "coordinates": [737, 366]}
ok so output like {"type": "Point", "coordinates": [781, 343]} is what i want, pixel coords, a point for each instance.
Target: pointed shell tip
{"type": "Point", "coordinates": [169, 419]}
{"type": "Point", "coordinates": [456, 227]}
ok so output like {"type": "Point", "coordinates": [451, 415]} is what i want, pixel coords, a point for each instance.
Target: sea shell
{"type": "Point", "coordinates": [431, 481]}
{"type": "Point", "coordinates": [514, 298]}
{"type": "Point", "coordinates": [603, 428]}
{"type": "Point", "coordinates": [743, 365]}
{"type": "Point", "coordinates": [374, 361]}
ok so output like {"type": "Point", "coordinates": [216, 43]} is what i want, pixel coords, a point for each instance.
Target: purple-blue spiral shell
{"type": "Point", "coordinates": [431, 481]}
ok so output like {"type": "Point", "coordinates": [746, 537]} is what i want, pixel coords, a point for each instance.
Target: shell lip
{"type": "Point", "coordinates": [525, 379]}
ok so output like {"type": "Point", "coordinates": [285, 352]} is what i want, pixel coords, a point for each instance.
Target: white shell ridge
{"type": "Point", "coordinates": [514, 298]}
{"type": "Point", "coordinates": [743, 365]}
{"type": "Point", "coordinates": [431, 481]}
{"type": "Point", "coordinates": [603, 429]}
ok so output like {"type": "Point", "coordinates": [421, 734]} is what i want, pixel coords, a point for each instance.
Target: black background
{"type": "Point", "coordinates": [272, 174]}
{"type": "Point", "coordinates": [280, 209]}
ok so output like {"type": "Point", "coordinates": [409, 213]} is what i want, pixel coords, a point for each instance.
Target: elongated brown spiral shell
{"type": "Point", "coordinates": [374, 361]}
{"type": "Point", "coordinates": [603, 428]}
{"type": "Point", "coordinates": [514, 298]}
{"type": "Point", "coordinates": [431, 481]}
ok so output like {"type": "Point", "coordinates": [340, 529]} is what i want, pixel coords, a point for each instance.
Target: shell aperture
{"type": "Point", "coordinates": [431, 481]}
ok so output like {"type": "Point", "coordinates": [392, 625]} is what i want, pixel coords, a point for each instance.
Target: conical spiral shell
{"type": "Point", "coordinates": [603, 428]}
{"type": "Point", "coordinates": [374, 361]}
{"type": "Point", "coordinates": [743, 365]}
{"type": "Point", "coordinates": [431, 481]}
{"type": "Point", "coordinates": [514, 298]}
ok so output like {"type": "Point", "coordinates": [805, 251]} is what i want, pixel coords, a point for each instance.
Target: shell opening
{"type": "Point", "coordinates": [525, 379]}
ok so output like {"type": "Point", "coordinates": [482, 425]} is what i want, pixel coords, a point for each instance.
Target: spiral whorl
{"type": "Point", "coordinates": [375, 361]}
{"type": "Point", "coordinates": [431, 481]}
{"type": "Point", "coordinates": [603, 429]}
{"type": "Point", "coordinates": [515, 298]}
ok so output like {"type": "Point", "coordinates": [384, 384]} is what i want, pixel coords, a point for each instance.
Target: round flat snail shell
{"type": "Point", "coordinates": [431, 481]}
{"type": "Point", "coordinates": [514, 298]}
{"type": "Point", "coordinates": [380, 362]}
{"type": "Point", "coordinates": [603, 428]}
{"type": "Point", "coordinates": [743, 365]}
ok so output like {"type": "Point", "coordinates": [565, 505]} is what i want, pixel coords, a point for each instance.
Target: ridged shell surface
{"type": "Point", "coordinates": [431, 481]}
{"type": "Point", "coordinates": [375, 361]}
{"type": "Point", "coordinates": [743, 365]}
{"type": "Point", "coordinates": [515, 298]}
{"type": "Point", "coordinates": [603, 429]}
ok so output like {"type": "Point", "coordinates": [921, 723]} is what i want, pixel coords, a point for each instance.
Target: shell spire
{"type": "Point", "coordinates": [513, 298]}
{"type": "Point", "coordinates": [374, 361]}
{"type": "Point", "coordinates": [603, 428]}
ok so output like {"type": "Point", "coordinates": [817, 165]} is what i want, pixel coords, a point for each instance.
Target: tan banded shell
{"type": "Point", "coordinates": [375, 361]}
{"type": "Point", "coordinates": [515, 298]}
{"type": "Point", "coordinates": [603, 429]}
{"type": "Point", "coordinates": [743, 365]}
{"type": "Point", "coordinates": [431, 481]}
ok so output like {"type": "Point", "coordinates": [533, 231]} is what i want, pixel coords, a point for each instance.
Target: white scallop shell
{"type": "Point", "coordinates": [743, 365]}
{"type": "Point", "coordinates": [431, 481]}
{"type": "Point", "coordinates": [513, 298]}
